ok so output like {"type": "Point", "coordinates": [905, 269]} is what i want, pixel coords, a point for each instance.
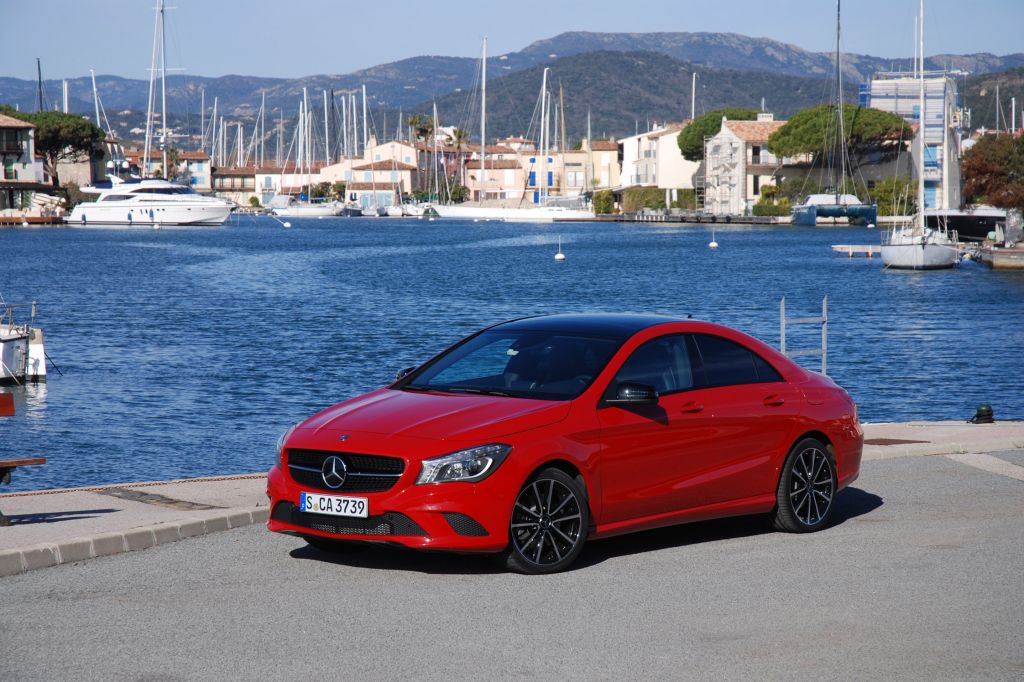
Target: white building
{"type": "Point", "coordinates": [22, 172]}
{"type": "Point", "coordinates": [737, 164]}
{"type": "Point", "coordinates": [653, 159]}
{"type": "Point", "coordinates": [899, 93]}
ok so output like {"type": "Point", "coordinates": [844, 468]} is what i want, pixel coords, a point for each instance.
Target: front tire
{"type": "Point", "coordinates": [807, 488]}
{"type": "Point", "coordinates": [548, 524]}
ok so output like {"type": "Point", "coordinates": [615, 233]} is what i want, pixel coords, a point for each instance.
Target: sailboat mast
{"type": "Point", "coordinates": [693, 97]}
{"type": "Point", "coordinates": [327, 132]}
{"type": "Point", "coordinates": [544, 133]}
{"type": "Point", "coordinates": [483, 119]}
{"type": "Point", "coordinates": [163, 91]}
{"type": "Point", "coordinates": [95, 96]}
{"type": "Point", "coordinates": [366, 136]}
{"type": "Point", "coordinates": [921, 120]}
{"type": "Point", "coordinates": [437, 180]}
{"type": "Point", "coordinates": [840, 122]}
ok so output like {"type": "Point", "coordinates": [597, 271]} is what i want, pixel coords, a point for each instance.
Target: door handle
{"type": "Point", "coordinates": [774, 401]}
{"type": "Point", "coordinates": [691, 408]}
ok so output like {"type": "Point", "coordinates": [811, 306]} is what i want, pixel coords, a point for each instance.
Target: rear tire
{"type": "Point", "coordinates": [548, 524]}
{"type": "Point", "coordinates": [807, 488]}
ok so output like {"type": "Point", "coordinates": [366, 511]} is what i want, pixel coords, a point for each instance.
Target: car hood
{"type": "Point", "coordinates": [437, 416]}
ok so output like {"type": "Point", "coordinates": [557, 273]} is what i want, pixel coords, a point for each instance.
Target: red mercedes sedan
{"type": "Point", "coordinates": [532, 436]}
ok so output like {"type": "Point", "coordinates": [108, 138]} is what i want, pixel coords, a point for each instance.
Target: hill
{"type": "Point", "coordinates": [624, 91]}
{"type": "Point", "coordinates": [979, 94]}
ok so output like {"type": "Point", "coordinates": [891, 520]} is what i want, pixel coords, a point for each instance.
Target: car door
{"type": "Point", "coordinates": [754, 413]}
{"type": "Point", "coordinates": [652, 456]}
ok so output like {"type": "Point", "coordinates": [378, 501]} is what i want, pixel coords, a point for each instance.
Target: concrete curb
{"type": "Point", "coordinates": [15, 561]}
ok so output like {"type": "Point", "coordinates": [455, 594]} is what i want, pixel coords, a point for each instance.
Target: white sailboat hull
{"type": "Point", "coordinates": [908, 249]}
{"type": "Point", "coordinates": [540, 214]}
{"type": "Point", "coordinates": [22, 357]}
{"type": "Point", "coordinates": [300, 210]}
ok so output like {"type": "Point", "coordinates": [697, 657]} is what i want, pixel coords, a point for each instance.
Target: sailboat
{"type": "Point", "coordinates": [836, 204]}
{"type": "Point", "coordinates": [288, 205]}
{"type": "Point", "coordinates": [532, 214]}
{"type": "Point", "coordinates": [916, 246]}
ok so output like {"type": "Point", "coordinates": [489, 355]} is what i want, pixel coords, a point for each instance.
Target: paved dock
{"type": "Point", "coordinates": [53, 527]}
{"type": "Point", "coordinates": [919, 577]}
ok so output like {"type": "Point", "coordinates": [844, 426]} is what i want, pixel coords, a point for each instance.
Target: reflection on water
{"type": "Point", "coordinates": [186, 352]}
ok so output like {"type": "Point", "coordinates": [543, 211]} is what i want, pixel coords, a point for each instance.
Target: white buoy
{"type": "Point", "coordinates": [286, 225]}
{"type": "Point", "coordinates": [871, 226]}
{"type": "Point", "coordinates": [712, 244]}
{"type": "Point", "coordinates": [559, 257]}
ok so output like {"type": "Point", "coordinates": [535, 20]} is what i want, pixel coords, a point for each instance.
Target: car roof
{"type": "Point", "coordinates": [616, 325]}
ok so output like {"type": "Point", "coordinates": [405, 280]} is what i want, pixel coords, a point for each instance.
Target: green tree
{"type": "Point", "coordinates": [691, 138]}
{"type": "Point", "coordinates": [812, 131]}
{"type": "Point", "coordinates": [993, 172]}
{"type": "Point", "coordinates": [604, 202]}
{"type": "Point", "coordinates": [895, 196]}
{"type": "Point", "coordinates": [320, 190]}
{"type": "Point", "coordinates": [254, 201]}
{"type": "Point", "coordinates": [62, 137]}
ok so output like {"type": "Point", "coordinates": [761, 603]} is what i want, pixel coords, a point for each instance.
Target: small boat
{"type": "Point", "coordinates": [394, 211]}
{"type": "Point", "coordinates": [834, 206]}
{"type": "Point", "coordinates": [22, 356]}
{"type": "Point", "coordinates": [149, 203]}
{"type": "Point", "coordinates": [296, 208]}
{"type": "Point", "coordinates": [917, 246]}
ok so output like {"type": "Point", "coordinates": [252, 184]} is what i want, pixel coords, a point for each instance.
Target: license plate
{"type": "Point", "coordinates": [333, 505]}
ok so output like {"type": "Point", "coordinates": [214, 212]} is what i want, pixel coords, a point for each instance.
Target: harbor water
{"type": "Point", "coordinates": [187, 352]}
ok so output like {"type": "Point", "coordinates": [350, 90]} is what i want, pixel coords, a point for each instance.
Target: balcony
{"type": "Point", "coordinates": [12, 147]}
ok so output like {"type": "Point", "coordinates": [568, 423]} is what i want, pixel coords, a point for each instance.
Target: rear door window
{"type": "Point", "coordinates": [727, 363]}
{"type": "Point", "coordinates": [663, 363]}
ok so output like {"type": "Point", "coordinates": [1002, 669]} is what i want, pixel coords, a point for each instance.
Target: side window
{"type": "Point", "coordinates": [765, 372]}
{"type": "Point", "coordinates": [663, 363]}
{"type": "Point", "coordinates": [725, 362]}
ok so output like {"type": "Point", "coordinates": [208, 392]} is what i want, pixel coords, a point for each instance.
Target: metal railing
{"type": "Point", "coordinates": [794, 321]}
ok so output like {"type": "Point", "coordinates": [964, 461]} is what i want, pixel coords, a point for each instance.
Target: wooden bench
{"type": "Point", "coordinates": [9, 465]}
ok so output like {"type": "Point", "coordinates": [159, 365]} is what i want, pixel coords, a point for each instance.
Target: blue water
{"type": "Point", "coordinates": [186, 352]}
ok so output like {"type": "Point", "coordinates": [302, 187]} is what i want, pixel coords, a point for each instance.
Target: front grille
{"type": "Point", "coordinates": [366, 473]}
{"type": "Point", "coordinates": [464, 525]}
{"type": "Point", "coordinates": [390, 523]}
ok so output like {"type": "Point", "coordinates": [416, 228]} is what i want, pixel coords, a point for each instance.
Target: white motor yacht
{"type": "Point", "coordinates": [149, 203]}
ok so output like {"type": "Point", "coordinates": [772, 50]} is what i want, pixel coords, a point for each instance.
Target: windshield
{"type": "Point", "coordinates": [542, 365]}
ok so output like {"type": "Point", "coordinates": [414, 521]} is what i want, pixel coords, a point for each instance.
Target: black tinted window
{"type": "Point", "coordinates": [663, 363]}
{"type": "Point", "coordinates": [765, 372]}
{"type": "Point", "coordinates": [725, 362]}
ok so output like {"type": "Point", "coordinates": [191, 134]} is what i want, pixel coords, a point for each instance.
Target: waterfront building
{"type": "Point", "coordinates": [195, 167]}
{"type": "Point", "coordinates": [380, 177]}
{"type": "Point", "coordinates": [737, 165]}
{"type": "Point", "coordinates": [653, 159]}
{"type": "Point", "coordinates": [22, 171]}
{"type": "Point", "coordinates": [941, 133]}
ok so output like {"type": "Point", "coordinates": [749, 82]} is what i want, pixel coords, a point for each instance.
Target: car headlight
{"type": "Point", "coordinates": [469, 466]}
{"type": "Point", "coordinates": [280, 445]}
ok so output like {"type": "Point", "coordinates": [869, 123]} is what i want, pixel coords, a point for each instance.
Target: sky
{"type": "Point", "coordinates": [306, 37]}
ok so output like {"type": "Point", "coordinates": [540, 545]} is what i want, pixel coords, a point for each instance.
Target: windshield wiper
{"type": "Point", "coordinates": [474, 391]}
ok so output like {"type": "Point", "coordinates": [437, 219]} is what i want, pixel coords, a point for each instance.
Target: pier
{"type": "Point", "coordinates": [851, 250]}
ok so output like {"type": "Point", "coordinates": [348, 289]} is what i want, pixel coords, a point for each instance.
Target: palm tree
{"type": "Point", "coordinates": [460, 140]}
{"type": "Point", "coordinates": [414, 124]}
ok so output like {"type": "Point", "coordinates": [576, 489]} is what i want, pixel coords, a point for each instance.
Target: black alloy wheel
{"type": "Point", "coordinates": [549, 523]}
{"type": "Point", "coordinates": [806, 489]}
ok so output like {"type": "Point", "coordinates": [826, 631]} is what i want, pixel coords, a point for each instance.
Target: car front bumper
{"type": "Point", "coordinates": [468, 517]}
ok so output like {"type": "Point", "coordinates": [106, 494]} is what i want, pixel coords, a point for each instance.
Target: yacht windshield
{"type": "Point", "coordinates": [543, 365]}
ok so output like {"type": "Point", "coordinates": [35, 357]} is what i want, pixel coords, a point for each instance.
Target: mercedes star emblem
{"type": "Point", "coordinates": [334, 472]}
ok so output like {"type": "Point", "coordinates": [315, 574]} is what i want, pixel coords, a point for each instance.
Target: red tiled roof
{"type": "Point", "coordinates": [604, 146]}
{"type": "Point", "coordinates": [385, 165]}
{"type": "Point", "coordinates": [193, 156]}
{"type": "Point", "coordinates": [754, 131]}
{"type": "Point", "coordinates": [11, 122]}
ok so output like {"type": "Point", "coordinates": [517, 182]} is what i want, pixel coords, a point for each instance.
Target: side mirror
{"type": "Point", "coordinates": [404, 373]}
{"type": "Point", "coordinates": [628, 393]}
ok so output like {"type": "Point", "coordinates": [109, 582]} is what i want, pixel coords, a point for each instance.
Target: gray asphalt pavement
{"type": "Point", "coordinates": [922, 577]}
